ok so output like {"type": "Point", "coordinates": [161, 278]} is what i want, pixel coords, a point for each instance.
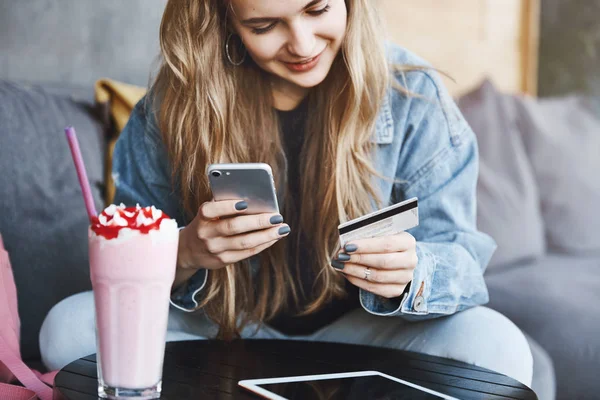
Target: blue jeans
{"type": "Point", "coordinates": [478, 336]}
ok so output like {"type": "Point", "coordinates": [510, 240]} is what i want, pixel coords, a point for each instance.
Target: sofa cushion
{"type": "Point", "coordinates": [555, 300]}
{"type": "Point", "coordinates": [562, 138]}
{"type": "Point", "coordinates": [507, 197]}
{"type": "Point", "coordinates": [43, 219]}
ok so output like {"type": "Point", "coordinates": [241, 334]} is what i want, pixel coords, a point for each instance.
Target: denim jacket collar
{"type": "Point", "coordinates": [384, 127]}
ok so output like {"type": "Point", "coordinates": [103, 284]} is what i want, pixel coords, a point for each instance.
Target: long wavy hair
{"type": "Point", "coordinates": [210, 111]}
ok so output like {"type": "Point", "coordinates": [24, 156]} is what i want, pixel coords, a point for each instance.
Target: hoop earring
{"type": "Point", "coordinates": [229, 56]}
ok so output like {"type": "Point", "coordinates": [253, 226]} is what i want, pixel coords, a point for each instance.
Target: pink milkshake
{"type": "Point", "coordinates": [133, 253]}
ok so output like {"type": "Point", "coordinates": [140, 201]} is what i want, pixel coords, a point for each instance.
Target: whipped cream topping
{"type": "Point", "coordinates": [115, 219]}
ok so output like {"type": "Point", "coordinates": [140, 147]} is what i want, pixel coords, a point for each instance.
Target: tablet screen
{"type": "Point", "coordinates": [374, 387]}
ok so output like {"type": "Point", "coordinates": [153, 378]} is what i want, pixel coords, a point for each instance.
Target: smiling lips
{"type": "Point", "coordinates": [304, 66]}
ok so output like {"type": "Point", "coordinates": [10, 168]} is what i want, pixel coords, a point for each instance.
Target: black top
{"type": "Point", "coordinates": [293, 124]}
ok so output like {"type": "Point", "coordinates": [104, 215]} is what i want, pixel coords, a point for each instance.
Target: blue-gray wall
{"type": "Point", "coordinates": [78, 41]}
{"type": "Point", "coordinates": [570, 47]}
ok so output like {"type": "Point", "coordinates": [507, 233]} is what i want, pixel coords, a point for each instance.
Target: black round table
{"type": "Point", "coordinates": [211, 370]}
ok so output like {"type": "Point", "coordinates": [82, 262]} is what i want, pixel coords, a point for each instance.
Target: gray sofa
{"type": "Point", "coordinates": [545, 275]}
{"type": "Point", "coordinates": [538, 193]}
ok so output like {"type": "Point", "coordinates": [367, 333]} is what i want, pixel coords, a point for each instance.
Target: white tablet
{"type": "Point", "coordinates": [361, 385]}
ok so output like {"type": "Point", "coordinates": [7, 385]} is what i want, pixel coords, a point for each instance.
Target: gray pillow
{"type": "Point", "coordinates": [43, 219]}
{"type": "Point", "coordinates": [507, 197]}
{"type": "Point", "coordinates": [562, 137]}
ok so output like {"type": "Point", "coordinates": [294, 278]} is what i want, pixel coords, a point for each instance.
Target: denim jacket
{"type": "Point", "coordinates": [421, 140]}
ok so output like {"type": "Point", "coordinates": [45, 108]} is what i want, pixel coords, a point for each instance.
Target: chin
{"type": "Point", "coordinates": [308, 82]}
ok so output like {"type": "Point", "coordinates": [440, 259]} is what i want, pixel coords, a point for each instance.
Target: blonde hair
{"type": "Point", "coordinates": [210, 111]}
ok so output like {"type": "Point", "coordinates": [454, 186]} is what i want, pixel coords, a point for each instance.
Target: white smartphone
{"type": "Point", "coordinates": [360, 385]}
{"type": "Point", "coordinates": [252, 182]}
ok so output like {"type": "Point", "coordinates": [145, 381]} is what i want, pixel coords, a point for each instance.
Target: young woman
{"type": "Point", "coordinates": [349, 125]}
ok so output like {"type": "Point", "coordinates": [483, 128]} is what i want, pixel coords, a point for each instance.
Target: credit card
{"type": "Point", "coordinates": [387, 221]}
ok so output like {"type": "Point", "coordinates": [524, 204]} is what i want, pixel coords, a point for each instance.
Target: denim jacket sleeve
{"type": "Point", "coordinates": [437, 161]}
{"type": "Point", "coordinates": [142, 176]}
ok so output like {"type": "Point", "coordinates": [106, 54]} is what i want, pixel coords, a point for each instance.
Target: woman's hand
{"type": "Point", "coordinates": [221, 234]}
{"type": "Point", "coordinates": [382, 265]}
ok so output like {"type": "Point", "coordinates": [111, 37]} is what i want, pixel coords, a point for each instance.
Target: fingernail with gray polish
{"type": "Point", "coordinates": [284, 230]}
{"type": "Point", "coordinates": [343, 257]}
{"type": "Point", "coordinates": [242, 205]}
{"type": "Point", "coordinates": [350, 248]}
{"type": "Point", "coordinates": [276, 219]}
{"type": "Point", "coordinates": [337, 265]}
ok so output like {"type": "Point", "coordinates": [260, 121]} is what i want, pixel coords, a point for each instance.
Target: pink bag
{"type": "Point", "coordinates": [11, 365]}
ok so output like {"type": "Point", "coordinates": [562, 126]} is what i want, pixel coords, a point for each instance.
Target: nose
{"type": "Point", "coordinates": [301, 42]}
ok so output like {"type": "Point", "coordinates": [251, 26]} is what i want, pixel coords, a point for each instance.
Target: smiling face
{"type": "Point", "coordinates": [294, 40]}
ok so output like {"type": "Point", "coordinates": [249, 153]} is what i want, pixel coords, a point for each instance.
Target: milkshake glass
{"type": "Point", "coordinates": [133, 254]}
